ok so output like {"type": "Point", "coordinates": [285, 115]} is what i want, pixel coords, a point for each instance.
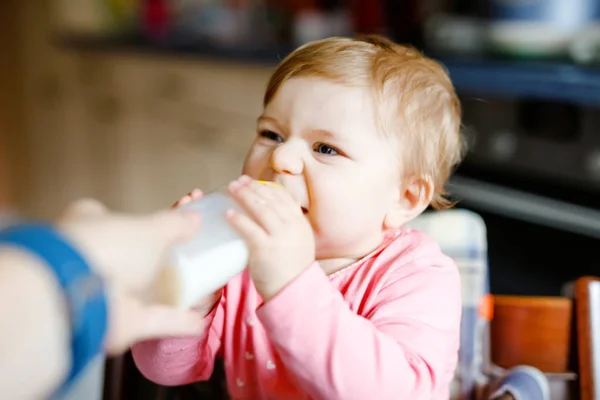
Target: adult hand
{"type": "Point", "coordinates": [127, 252]}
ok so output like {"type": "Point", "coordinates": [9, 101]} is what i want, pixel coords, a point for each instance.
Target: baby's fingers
{"type": "Point", "coordinates": [248, 229]}
{"type": "Point", "coordinates": [188, 198]}
{"type": "Point", "coordinates": [196, 194]}
{"type": "Point", "coordinates": [184, 200]}
{"type": "Point", "coordinates": [280, 200]}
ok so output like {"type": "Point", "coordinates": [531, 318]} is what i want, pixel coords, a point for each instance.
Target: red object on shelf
{"type": "Point", "coordinates": [156, 18]}
{"type": "Point", "coordinates": [367, 16]}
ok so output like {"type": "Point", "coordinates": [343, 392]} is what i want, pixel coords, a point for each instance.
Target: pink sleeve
{"type": "Point", "coordinates": [403, 349]}
{"type": "Point", "coordinates": [179, 361]}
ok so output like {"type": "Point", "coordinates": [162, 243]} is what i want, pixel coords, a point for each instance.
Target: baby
{"type": "Point", "coordinates": [339, 300]}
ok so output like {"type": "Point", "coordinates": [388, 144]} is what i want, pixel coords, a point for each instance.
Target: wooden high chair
{"type": "Point", "coordinates": [558, 335]}
{"type": "Point", "coordinates": [587, 305]}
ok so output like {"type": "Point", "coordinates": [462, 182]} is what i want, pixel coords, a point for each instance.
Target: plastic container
{"type": "Point", "coordinates": [209, 260]}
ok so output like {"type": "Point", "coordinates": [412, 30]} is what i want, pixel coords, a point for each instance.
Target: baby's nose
{"type": "Point", "coordinates": [287, 159]}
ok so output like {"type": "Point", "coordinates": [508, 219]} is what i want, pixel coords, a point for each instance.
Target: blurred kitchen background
{"type": "Point", "coordinates": [137, 102]}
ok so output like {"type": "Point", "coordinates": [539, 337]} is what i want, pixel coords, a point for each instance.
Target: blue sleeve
{"type": "Point", "coordinates": [83, 290]}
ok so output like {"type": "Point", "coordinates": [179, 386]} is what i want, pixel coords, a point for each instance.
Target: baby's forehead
{"type": "Point", "coordinates": [324, 102]}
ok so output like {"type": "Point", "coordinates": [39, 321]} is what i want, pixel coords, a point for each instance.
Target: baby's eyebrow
{"type": "Point", "coordinates": [329, 134]}
{"type": "Point", "coordinates": [265, 118]}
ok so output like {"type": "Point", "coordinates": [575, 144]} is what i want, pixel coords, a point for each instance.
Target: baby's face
{"type": "Point", "coordinates": [320, 141]}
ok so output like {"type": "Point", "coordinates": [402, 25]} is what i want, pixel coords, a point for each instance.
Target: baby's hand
{"type": "Point", "coordinates": [280, 238]}
{"type": "Point", "coordinates": [206, 304]}
{"type": "Point", "coordinates": [188, 198]}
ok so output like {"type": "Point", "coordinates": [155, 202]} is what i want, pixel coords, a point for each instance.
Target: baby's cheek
{"type": "Point", "coordinates": [345, 230]}
{"type": "Point", "coordinates": [329, 234]}
{"type": "Point", "coordinates": [254, 162]}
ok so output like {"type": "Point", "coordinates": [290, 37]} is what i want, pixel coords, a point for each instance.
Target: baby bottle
{"type": "Point", "coordinates": [207, 261]}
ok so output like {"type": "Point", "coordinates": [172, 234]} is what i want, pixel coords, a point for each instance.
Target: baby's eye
{"type": "Point", "coordinates": [271, 136]}
{"type": "Point", "coordinates": [322, 148]}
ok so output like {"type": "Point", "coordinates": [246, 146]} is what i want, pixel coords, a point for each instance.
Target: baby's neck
{"type": "Point", "coordinates": [333, 265]}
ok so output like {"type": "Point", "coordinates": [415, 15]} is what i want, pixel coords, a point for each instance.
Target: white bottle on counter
{"type": "Point", "coordinates": [207, 261]}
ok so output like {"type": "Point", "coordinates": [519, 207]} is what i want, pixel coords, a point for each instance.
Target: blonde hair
{"type": "Point", "coordinates": [414, 96]}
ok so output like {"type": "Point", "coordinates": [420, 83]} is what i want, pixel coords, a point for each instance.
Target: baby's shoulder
{"type": "Point", "coordinates": [409, 272]}
{"type": "Point", "coordinates": [412, 260]}
{"type": "Point", "coordinates": [411, 251]}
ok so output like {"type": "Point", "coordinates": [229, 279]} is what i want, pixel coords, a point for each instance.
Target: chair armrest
{"type": "Point", "coordinates": [587, 305]}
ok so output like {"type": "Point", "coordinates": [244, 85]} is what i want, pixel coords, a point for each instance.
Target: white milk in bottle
{"type": "Point", "coordinates": [207, 261]}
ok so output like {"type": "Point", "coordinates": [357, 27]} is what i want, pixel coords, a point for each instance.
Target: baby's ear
{"type": "Point", "coordinates": [414, 196]}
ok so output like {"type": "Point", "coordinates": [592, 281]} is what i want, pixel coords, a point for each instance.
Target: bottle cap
{"type": "Point", "coordinates": [269, 183]}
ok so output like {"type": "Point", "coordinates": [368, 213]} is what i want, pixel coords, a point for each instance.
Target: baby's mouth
{"type": "Point", "coordinates": [304, 210]}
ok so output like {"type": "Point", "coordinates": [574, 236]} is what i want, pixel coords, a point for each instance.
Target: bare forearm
{"type": "Point", "coordinates": [34, 339]}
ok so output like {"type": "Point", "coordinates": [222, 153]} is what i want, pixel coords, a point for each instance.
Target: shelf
{"type": "Point", "coordinates": [472, 77]}
{"type": "Point", "coordinates": [269, 55]}
{"type": "Point", "coordinates": [547, 81]}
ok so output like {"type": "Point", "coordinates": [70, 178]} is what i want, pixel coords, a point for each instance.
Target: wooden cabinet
{"type": "Point", "coordinates": [139, 132]}
{"type": "Point", "coordinates": [177, 129]}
